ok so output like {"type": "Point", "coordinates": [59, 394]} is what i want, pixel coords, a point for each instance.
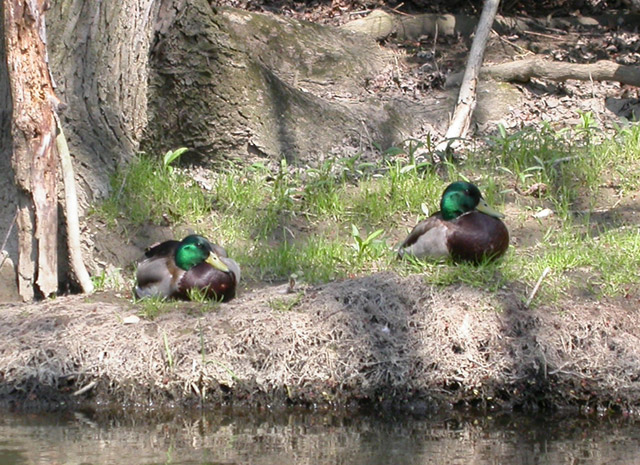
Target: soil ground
{"type": "Point", "coordinates": [380, 340]}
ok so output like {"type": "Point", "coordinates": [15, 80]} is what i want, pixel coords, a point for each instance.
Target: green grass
{"type": "Point", "coordinates": [344, 217]}
{"type": "Point", "coordinates": [147, 191]}
{"type": "Point", "coordinates": [152, 307]}
{"type": "Point", "coordinates": [607, 261]}
{"type": "Point", "coordinates": [286, 304]}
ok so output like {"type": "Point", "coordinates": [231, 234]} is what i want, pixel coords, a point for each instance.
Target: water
{"type": "Point", "coordinates": [213, 439]}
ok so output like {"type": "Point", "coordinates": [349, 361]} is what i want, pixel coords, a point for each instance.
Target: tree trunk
{"type": "Point", "coordinates": [227, 83]}
{"type": "Point", "coordinates": [98, 62]}
{"type": "Point", "coordinates": [33, 132]}
{"type": "Point", "coordinates": [8, 191]}
{"type": "Point", "coordinates": [232, 84]}
{"type": "Point", "coordinates": [99, 59]}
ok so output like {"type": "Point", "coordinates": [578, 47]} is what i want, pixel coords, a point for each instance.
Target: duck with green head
{"type": "Point", "coordinates": [466, 228]}
{"type": "Point", "coordinates": [173, 268]}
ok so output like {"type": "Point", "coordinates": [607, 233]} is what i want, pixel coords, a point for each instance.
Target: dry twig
{"type": "Point", "coordinates": [535, 288]}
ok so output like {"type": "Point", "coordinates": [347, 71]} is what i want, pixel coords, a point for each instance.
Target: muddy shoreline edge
{"type": "Point", "coordinates": [381, 342]}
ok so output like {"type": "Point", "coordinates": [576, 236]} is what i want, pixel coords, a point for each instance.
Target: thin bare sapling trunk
{"type": "Point", "coordinates": [461, 120]}
{"type": "Point", "coordinates": [71, 212]}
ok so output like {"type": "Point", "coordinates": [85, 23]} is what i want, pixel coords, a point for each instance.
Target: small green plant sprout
{"type": "Point", "coordinates": [391, 152]}
{"type": "Point", "coordinates": [360, 245]}
{"type": "Point", "coordinates": [522, 178]}
{"type": "Point", "coordinates": [586, 127]}
{"type": "Point", "coordinates": [284, 188]}
{"type": "Point", "coordinates": [503, 142]}
{"type": "Point", "coordinates": [352, 169]}
{"type": "Point", "coordinates": [99, 281]}
{"type": "Point", "coordinates": [167, 350]}
{"type": "Point", "coordinates": [110, 279]}
{"type": "Point", "coordinates": [151, 307]}
{"type": "Point", "coordinates": [285, 304]}
{"type": "Point", "coordinates": [171, 156]}
{"type": "Point", "coordinates": [413, 146]}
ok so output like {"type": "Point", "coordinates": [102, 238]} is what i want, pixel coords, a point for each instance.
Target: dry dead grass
{"type": "Point", "coordinates": [379, 340]}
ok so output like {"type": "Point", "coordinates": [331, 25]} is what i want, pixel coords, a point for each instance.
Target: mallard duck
{"type": "Point", "coordinates": [465, 228]}
{"type": "Point", "coordinates": [172, 268]}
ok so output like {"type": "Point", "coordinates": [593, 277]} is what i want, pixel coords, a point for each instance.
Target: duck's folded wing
{"type": "Point", "coordinates": [427, 239]}
{"type": "Point", "coordinates": [164, 249]}
{"type": "Point", "coordinates": [153, 278]}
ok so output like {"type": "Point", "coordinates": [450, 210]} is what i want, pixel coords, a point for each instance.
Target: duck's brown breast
{"type": "Point", "coordinates": [215, 283]}
{"type": "Point", "coordinates": [475, 236]}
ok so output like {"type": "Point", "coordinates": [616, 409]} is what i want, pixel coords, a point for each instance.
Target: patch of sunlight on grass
{"type": "Point", "coordinates": [605, 265]}
{"type": "Point", "coordinates": [146, 191]}
{"type": "Point", "coordinates": [312, 260]}
{"type": "Point", "coordinates": [489, 275]}
{"type": "Point", "coordinates": [338, 219]}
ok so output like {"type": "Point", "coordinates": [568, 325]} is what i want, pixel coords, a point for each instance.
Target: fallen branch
{"type": "Point", "coordinates": [538, 67]}
{"type": "Point", "coordinates": [86, 388]}
{"type": "Point", "coordinates": [381, 24]}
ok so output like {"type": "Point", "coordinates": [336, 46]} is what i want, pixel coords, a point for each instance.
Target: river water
{"type": "Point", "coordinates": [312, 438]}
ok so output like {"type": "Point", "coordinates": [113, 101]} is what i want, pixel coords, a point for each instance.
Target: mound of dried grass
{"type": "Point", "coordinates": [380, 339]}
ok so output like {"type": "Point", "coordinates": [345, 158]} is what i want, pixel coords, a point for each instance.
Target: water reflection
{"type": "Point", "coordinates": [75, 438]}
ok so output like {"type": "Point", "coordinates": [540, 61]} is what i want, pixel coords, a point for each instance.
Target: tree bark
{"type": "Point", "coordinates": [34, 159]}
{"type": "Point", "coordinates": [461, 119]}
{"type": "Point", "coordinates": [258, 88]}
{"type": "Point", "coordinates": [100, 60]}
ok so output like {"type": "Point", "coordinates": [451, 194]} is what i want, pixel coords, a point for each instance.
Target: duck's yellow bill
{"type": "Point", "coordinates": [484, 207]}
{"type": "Point", "coordinates": [215, 262]}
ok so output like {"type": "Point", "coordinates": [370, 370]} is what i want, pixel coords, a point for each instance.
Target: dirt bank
{"type": "Point", "coordinates": [381, 340]}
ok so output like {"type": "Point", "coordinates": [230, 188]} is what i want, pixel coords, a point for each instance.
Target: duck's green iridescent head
{"type": "Point", "coordinates": [461, 197]}
{"type": "Point", "coordinates": [195, 249]}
